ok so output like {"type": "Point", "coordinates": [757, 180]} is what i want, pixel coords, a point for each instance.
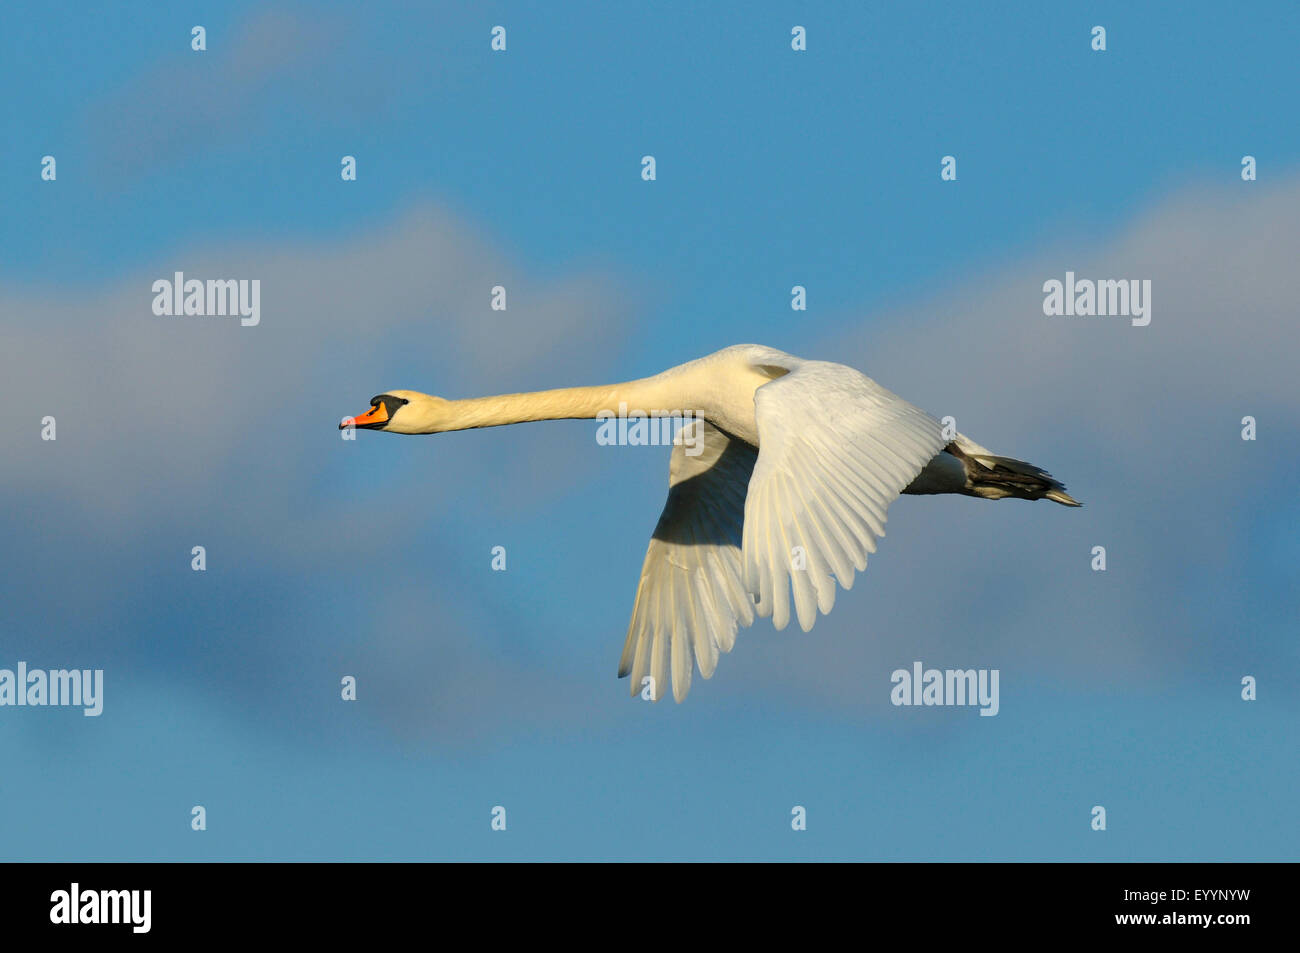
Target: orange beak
{"type": "Point", "coordinates": [374, 417]}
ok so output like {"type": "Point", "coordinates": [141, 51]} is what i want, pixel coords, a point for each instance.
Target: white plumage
{"type": "Point", "coordinates": [804, 511]}
{"type": "Point", "coordinates": [797, 464]}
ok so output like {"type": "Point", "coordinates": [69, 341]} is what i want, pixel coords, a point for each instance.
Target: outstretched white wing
{"type": "Point", "coordinates": [690, 600]}
{"type": "Point", "coordinates": [836, 449]}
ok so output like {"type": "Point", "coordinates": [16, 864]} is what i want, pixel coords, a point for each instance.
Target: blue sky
{"type": "Point", "coordinates": [775, 168]}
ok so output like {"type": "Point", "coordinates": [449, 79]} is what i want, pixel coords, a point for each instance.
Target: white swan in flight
{"type": "Point", "coordinates": [794, 465]}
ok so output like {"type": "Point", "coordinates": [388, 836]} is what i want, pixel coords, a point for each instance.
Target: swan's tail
{"type": "Point", "coordinates": [993, 477]}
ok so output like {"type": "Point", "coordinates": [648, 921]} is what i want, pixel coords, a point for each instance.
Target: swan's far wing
{"type": "Point", "coordinates": [836, 449]}
{"type": "Point", "coordinates": [690, 600]}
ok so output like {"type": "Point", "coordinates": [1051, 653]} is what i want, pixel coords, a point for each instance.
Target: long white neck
{"type": "Point", "coordinates": [567, 403]}
{"type": "Point", "coordinates": [719, 388]}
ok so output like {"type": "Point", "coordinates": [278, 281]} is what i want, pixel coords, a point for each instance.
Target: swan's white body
{"type": "Point", "coordinates": [797, 462]}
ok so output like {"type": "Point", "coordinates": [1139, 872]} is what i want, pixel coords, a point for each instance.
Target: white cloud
{"type": "Point", "coordinates": [177, 430]}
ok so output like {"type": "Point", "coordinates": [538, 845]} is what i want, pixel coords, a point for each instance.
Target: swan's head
{"type": "Point", "coordinates": [401, 411]}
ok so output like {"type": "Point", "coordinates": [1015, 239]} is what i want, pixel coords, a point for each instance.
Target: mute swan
{"type": "Point", "coordinates": [795, 464]}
